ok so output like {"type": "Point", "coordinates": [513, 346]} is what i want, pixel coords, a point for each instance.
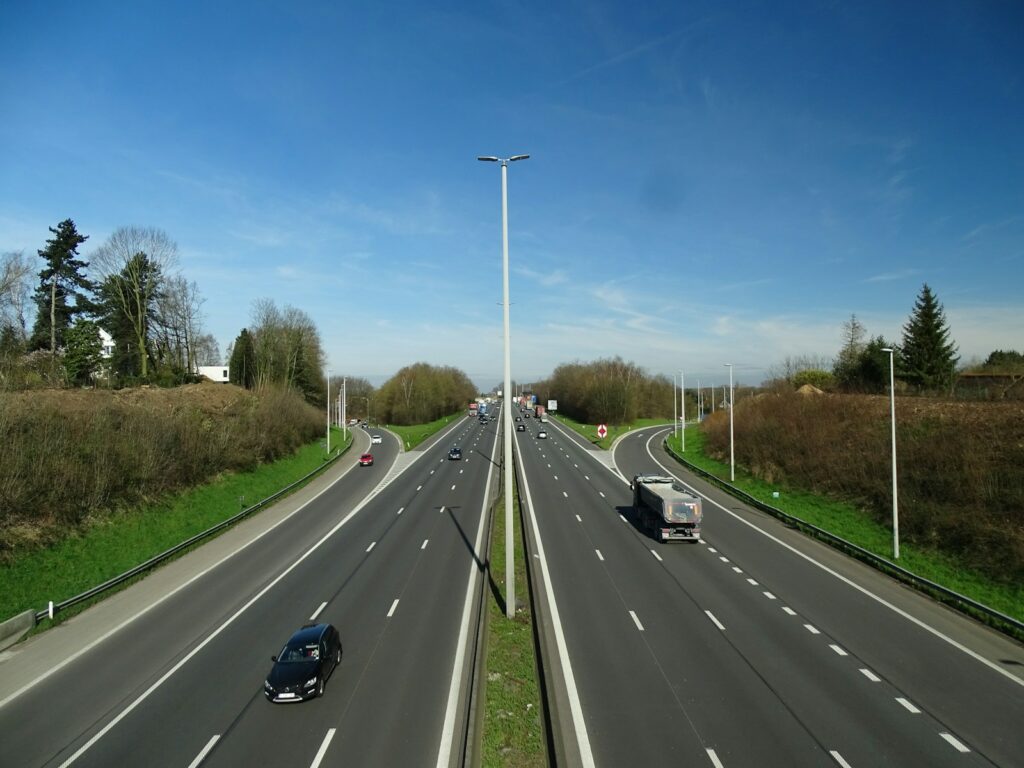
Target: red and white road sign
{"type": "Point", "coordinates": [602, 430]}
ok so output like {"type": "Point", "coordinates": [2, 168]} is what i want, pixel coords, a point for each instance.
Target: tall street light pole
{"type": "Point", "coordinates": [732, 450]}
{"type": "Point", "coordinates": [682, 409]}
{"type": "Point", "coordinates": [510, 577]}
{"type": "Point", "coordinates": [328, 412]}
{"type": "Point", "coordinates": [892, 420]}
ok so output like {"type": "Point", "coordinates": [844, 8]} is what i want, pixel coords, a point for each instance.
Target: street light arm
{"type": "Point", "coordinates": [488, 159]}
{"type": "Point", "coordinates": [518, 157]}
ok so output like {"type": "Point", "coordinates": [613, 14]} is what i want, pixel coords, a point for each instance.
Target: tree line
{"type": "Point", "coordinates": [130, 288]}
{"type": "Point", "coordinates": [924, 359]}
{"type": "Point", "coordinates": [610, 391]}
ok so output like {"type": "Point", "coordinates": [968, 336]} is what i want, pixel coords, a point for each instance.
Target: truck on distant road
{"type": "Point", "coordinates": [541, 414]}
{"type": "Point", "coordinates": [667, 509]}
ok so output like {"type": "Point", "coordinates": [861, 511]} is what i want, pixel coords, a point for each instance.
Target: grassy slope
{"type": "Point", "coordinates": [123, 541]}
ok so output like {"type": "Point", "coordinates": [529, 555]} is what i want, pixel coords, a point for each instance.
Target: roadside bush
{"type": "Point", "coordinates": [70, 457]}
{"type": "Point", "coordinates": [960, 465]}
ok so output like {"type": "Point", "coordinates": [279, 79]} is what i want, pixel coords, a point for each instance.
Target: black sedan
{"type": "Point", "coordinates": [455, 454]}
{"type": "Point", "coordinates": [302, 667]}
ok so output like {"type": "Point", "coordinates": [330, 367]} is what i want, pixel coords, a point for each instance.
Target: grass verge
{"type": "Point", "coordinates": [513, 727]}
{"type": "Point", "coordinates": [114, 544]}
{"type": "Point", "coordinates": [417, 433]}
{"type": "Point", "coordinates": [845, 520]}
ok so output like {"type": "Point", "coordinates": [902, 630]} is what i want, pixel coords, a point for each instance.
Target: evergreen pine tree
{"type": "Point", "coordinates": [60, 280]}
{"type": "Point", "coordinates": [242, 366]}
{"type": "Point", "coordinates": [929, 357]}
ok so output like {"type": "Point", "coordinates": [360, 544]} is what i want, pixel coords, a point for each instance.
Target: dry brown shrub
{"type": "Point", "coordinates": [960, 464]}
{"type": "Point", "coordinates": [69, 455]}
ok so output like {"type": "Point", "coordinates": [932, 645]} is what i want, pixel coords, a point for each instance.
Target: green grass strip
{"type": "Point", "coordinates": [417, 433]}
{"type": "Point", "coordinates": [513, 728]}
{"type": "Point", "coordinates": [115, 544]}
{"type": "Point", "coordinates": [845, 520]}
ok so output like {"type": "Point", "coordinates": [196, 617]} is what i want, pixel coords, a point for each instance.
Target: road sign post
{"type": "Point", "coordinates": [602, 430]}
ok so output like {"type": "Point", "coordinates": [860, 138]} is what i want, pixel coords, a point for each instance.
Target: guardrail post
{"type": "Point", "coordinates": [49, 611]}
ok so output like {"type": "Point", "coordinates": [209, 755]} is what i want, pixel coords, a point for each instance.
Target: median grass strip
{"type": "Point", "coordinates": [845, 520]}
{"type": "Point", "coordinates": [417, 433]}
{"type": "Point", "coordinates": [513, 728]}
{"type": "Point", "coordinates": [122, 540]}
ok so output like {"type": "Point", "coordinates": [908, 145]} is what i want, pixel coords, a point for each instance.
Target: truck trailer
{"type": "Point", "coordinates": [665, 508]}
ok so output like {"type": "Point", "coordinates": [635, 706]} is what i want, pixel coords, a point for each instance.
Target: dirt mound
{"type": "Point", "coordinates": [809, 389]}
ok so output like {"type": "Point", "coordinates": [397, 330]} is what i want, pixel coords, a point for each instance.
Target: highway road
{"type": "Point", "coordinates": [756, 647]}
{"type": "Point", "coordinates": [180, 681]}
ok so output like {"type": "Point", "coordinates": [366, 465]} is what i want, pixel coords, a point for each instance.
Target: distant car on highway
{"type": "Point", "coordinates": [366, 460]}
{"type": "Point", "coordinates": [302, 667]}
{"type": "Point", "coordinates": [376, 439]}
{"type": "Point", "coordinates": [520, 427]}
{"type": "Point", "coordinates": [455, 454]}
{"type": "Point", "coordinates": [542, 435]}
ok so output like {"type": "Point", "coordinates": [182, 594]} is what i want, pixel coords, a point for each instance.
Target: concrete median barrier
{"type": "Point", "coordinates": [12, 630]}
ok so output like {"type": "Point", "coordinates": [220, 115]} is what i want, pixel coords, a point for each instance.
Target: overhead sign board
{"type": "Point", "coordinates": [552, 405]}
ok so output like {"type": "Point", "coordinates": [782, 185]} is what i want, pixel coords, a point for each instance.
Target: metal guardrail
{"type": "Point", "coordinates": [50, 612]}
{"type": "Point", "coordinates": [993, 618]}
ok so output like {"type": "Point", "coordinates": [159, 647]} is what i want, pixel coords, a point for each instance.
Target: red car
{"type": "Point", "coordinates": [366, 460]}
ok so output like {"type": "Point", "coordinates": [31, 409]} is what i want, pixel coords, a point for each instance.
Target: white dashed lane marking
{"type": "Point", "coordinates": [636, 621]}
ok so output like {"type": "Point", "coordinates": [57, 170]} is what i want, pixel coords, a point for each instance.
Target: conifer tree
{"type": "Point", "coordinates": [242, 366]}
{"type": "Point", "coordinates": [60, 280]}
{"type": "Point", "coordinates": [929, 357]}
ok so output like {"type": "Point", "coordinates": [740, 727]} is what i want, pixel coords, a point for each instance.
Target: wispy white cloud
{"type": "Point", "coordinates": [888, 277]}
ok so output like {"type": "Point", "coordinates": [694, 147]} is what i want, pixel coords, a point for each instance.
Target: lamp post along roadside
{"type": "Point", "coordinates": [675, 409]}
{"type": "Point", "coordinates": [682, 409]}
{"type": "Point", "coordinates": [328, 413]}
{"type": "Point", "coordinates": [892, 420]}
{"type": "Point", "coordinates": [506, 421]}
{"type": "Point", "coordinates": [344, 402]}
{"type": "Point", "coordinates": [732, 445]}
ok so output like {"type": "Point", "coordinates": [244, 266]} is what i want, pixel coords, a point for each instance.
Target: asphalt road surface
{"type": "Point", "coordinates": [180, 682]}
{"type": "Point", "coordinates": [755, 647]}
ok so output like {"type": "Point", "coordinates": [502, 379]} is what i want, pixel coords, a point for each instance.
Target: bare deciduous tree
{"type": "Point", "coordinates": [15, 289]}
{"type": "Point", "coordinates": [132, 265]}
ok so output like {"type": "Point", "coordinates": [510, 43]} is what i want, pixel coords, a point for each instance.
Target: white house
{"type": "Point", "coordinates": [216, 373]}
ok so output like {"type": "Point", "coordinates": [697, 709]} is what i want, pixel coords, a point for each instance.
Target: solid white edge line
{"type": "Point", "coordinates": [209, 638]}
{"type": "Point", "coordinates": [444, 750]}
{"type": "Point", "coordinates": [323, 748]}
{"type": "Point", "coordinates": [715, 620]}
{"type": "Point", "coordinates": [849, 582]}
{"type": "Point", "coordinates": [714, 758]}
{"type": "Point", "coordinates": [204, 752]}
{"type": "Point", "coordinates": [317, 611]}
{"type": "Point", "coordinates": [394, 605]}
{"type": "Point", "coordinates": [908, 706]}
{"type": "Point", "coordinates": [575, 707]}
{"type": "Point", "coordinates": [958, 745]}
{"type": "Point", "coordinates": [870, 675]}
{"type": "Point", "coordinates": [839, 759]}
{"type": "Point", "coordinates": [636, 621]}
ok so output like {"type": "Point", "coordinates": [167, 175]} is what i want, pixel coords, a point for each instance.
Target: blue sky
{"type": "Point", "coordinates": [709, 182]}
